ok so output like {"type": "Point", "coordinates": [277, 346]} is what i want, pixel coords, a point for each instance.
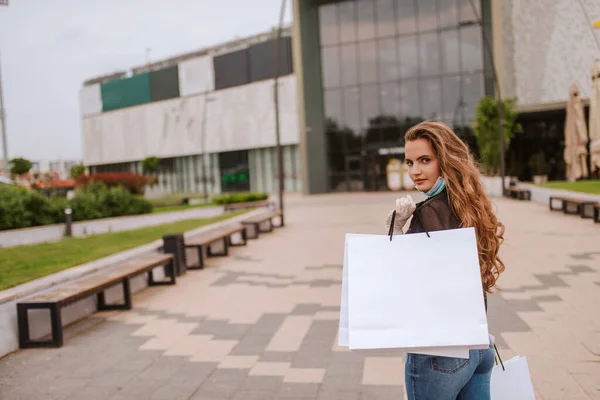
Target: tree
{"type": "Point", "coordinates": [19, 166]}
{"type": "Point", "coordinates": [486, 129]}
{"type": "Point", "coordinates": [76, 171]}
{"type": "Point", "coordinates": [150, 165]}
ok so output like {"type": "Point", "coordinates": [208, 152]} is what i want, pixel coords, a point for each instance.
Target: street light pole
{"type": "Point", "coordinates": [203, 164]}
{"type": "Point", "coordinates": [280, 169]}
{"type": "Point", "coordinates": [488, 49]}
{"type": "Point", "coordinates": [3, 127]}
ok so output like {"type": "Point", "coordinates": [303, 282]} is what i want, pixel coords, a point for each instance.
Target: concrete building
{"type": "Point", "coordinates": [357, 75]}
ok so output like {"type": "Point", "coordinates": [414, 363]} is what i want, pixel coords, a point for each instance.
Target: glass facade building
{"type": "Point", "coordinates": [387, 65]}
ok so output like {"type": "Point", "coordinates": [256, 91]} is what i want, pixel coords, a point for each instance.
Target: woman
{"type": "Point", "coordinates": [440, 166]}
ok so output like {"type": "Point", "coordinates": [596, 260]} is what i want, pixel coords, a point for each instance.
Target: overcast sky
{"type": "Point", "coordinates": [49, 47]}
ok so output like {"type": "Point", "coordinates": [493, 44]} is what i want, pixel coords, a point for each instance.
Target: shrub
{"type": "Point", "coordinates": [20, 208]}
{"type": "Point", "coordinates": [96, 200]}
{"type": "Point", "coordinates": [133, 182]}
{"type": "Point", "coordinates": [230, 198]}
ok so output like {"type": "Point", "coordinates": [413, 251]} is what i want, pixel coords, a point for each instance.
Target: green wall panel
{"type": "Point", "coordinates": [164, 83]}
{"type": "Point", "coordinates": [126, 92]}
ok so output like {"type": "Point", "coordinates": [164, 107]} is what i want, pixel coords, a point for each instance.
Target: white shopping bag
{"type": "Point", "coordinates": [416, 293]}
{"type": "Point", "coordinates": [512, 383]}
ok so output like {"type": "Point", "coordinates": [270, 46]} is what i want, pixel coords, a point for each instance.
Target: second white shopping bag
{"type": "Point", "coordinates": [416, 292]}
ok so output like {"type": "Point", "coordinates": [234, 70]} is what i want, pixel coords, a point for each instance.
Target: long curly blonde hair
{"type": "Point", "coordinates": [467, 197]}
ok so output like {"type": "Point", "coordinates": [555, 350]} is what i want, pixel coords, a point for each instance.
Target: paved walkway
{"type": "Point", "coordinates": [262, 323]}
{"type": "Point", "coordinates": [55, 232]}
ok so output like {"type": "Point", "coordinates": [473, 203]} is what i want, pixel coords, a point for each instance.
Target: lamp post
{"type": "Point", "coordinates": [5, 166]}
{"type": "Point", "coordinates": [203, 140]}
{"type": "Point", "coordinates": [488, 49]}
{"type": "Point", "coordinates": [280, 170]}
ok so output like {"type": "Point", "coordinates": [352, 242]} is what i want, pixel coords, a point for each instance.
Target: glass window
{"type": "Point", "coordinates": [369, 99]}
{"type": "Point", "coordinates": [328, 25]}
{"type": "Point", "coordinates": [472, 86]}
{"type": "Point", "coordinates": [408, 56]}
{"type": "Point", "coordinates": [330, 61]}
{"type": "Point", "coordinates": [427, 15]}
{"type": "Point", "coordinates": [347, 21]}
{"type": "Point", "coordinates": [448, 13]}
{"type": "Point", "coordinates": [388, 63]}
{"type": "Point", "coordinates": [466, 12]}
{"type": "Point", "coordinates": [429, 54]}
{"type": "Point", "coordinates": [386, 21]}
{"type": "Point", "coordinates": [431, 95]}
{"type": "Point", "coordinates": [368, 62]}
{"type": "Point", "coordinates": [472, 48]}
{"type": "Point", "coordinates": [348, 63]}
{"type": "Point", "coordinates": [366, 19]}
{"type": "Point", "coordinates": [351, 109]}
{"type": "Point", "coordinates": [409, 100]}
{"type": "Point", "coordinates": [451, 98]}
{"type": "Point", "coordinates": [450, 52]}
{"type": "Point", "coordinates": [389, 96]}
{"type": "Point", "coordinates": [333, 106]}
{"type": "Point", "coordinates": [406, 16]}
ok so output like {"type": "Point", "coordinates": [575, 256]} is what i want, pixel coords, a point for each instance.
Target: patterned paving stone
{"type": "Point", "coordinates": [262, 323]}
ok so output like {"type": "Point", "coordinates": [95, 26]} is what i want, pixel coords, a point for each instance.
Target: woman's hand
{"type": "Point", "coordinates": [405, 207]}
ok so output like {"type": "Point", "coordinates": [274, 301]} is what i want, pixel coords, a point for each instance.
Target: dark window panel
{"type": "Point", "coordinates": [367, 56]}
{"type": "Point", "coordinates": [389, 68]}
{"type": "Point", "coordinates": [262, 59]}
{"type": "Point", "coordinates": [406, 16]}
{"type": "Point", "coordinates": [431, 98]}
{"type": "Point", "coordinates": [333, 106]}
{"type": "Point", "coordinates": [164, 83]}
{"type": "Point", "coordinates": [408, 56]}
{"type": "Point", "coordinates": [348, 62]}
{"type": "Point", "coordinates": [452, 101]}
{"type": "Point", "coordinates": [347, 21]}
{"type": "Point", "coordinates": [328, 22]}
{"type": "Point", "coordinates": [231, 69]}
{"type": "Point", "coordinates": [473, 91]}
{"type": "Point", "coordinates": [369, 99]}
{"type": "Point", "coordinates": [330, 64]}
{"type": "Point", "coordinates": [450, 48]}
{"type": "Point", "coordinates": [466, 12]}
{"type": "Point", "coordinates": [409, 100]}
{"type": "Point", "coordinates": [430, 54]}
{"type": "Point", "coordinates": [235, 171]}
{"type": "Point", "coordinates": [386, 18]}
{"type": "Point", "coordinates": [427, 15]}
{"type": "Point", "coordinates": [366, 19]}
{"type": "Point", "coordinates": [448, 13]}
{"type": "Point", "coordinates": [389, 98]}
{"type": "Point", "coordinates": [352, 116]}
{"type": "Point", "coordinates": [471, 48]}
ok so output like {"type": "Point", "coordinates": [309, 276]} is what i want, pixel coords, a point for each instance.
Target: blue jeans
{"type": "Point", "coordinates": [445, 378]}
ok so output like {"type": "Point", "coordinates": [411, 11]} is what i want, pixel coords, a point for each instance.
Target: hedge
{"type": "Point", "coordinates": [21, 208]}
{"type": "Point", "coordinates": [135, 183]}
{"type": "Point", "coordinates": [230, 198]}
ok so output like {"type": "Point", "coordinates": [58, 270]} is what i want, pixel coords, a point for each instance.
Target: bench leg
{"type": "Point", "coordinates": [210, 253]}
{"type": "Point", "coordinates": [25, 340]}
{"type": "Point", "coordinates": [560, 208]}
{"type": "Point", "coordinates": [255, 228]}
{"type": "Point", "coordinates": [102, 306]}
{"type": "Point", "coordinates": [586, 207]}
{"type": "Point", "coordinates": [170, 268]}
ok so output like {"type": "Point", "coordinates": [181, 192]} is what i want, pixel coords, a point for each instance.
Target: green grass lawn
{"type": "Point", "coordinates": [592, 187]}
{"type": "Point", "coordinates": [25, 263]}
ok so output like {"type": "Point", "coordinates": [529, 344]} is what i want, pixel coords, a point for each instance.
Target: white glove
{"type": "Point", "coordinates": [405, 207]}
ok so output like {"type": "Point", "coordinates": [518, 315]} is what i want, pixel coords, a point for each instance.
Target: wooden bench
{"type": "Point", "coordinates": [256, 221]}
{"type": "Point", "coordinates": [206, 239]}
{"type": "Point", "coordinates": [569, 205]}
{"type": "Point", "coordinates": [248, 205]}
{"type": "Point", "coordinates": [516, 192]}
{"type": "Point", "coordinates": [55, 299]}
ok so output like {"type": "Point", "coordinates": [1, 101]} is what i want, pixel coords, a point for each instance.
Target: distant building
{"type": "Point", "coordinates": [362, 73]}
{"type": "Point", "coordinates": [60, 168]}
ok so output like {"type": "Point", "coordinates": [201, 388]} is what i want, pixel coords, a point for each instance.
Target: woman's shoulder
{"type": "Point", "coordinates": [438, 212]}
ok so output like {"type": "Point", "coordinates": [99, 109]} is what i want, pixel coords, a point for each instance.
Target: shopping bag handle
{"type": "Point", "coordinates": [391, 232]}
{"type": "Point", "coordinates": [499, 358]}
